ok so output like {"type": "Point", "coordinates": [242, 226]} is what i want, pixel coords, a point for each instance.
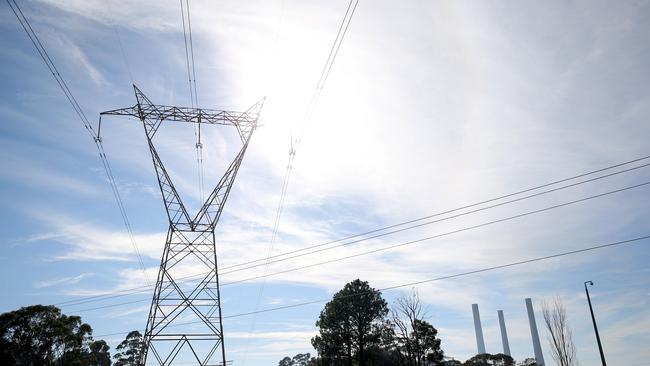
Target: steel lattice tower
{"type": "Point", "coordinates": [185, 313]}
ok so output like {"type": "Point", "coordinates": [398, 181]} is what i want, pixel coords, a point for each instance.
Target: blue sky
{"type": "Point", "coordinates": [430, 105]}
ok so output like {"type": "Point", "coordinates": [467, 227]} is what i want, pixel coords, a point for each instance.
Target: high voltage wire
{"type": "Point", "coordinates": [334, 50]}
{"type": "Point", "coordinates": [103, 297]}
{"type": "Point", "coordinates": [435, 279]}
{"type": "Point", "coordinates": [100, 297]}
{"type": "Point", "coordinates": [437, 220]}
{"type": "Point", "coordinates": [318, 90]}
{"type": "Point", "coordinates": [24, 22]}
{"type": "Point", "coordinates": [119, 41]}
{"type": "Point", "coordinates": [457, 209]}
{"type": "Point", "coordinates": [438, 235]}
{"type": "Point", "coordinates": [190, 67]}
{"type": "Point", "coordinates": [331, 57]}
{"type": "Point", "coordinates": [528, 213]}
{"type": "Point", "coordinates": [191, 77]}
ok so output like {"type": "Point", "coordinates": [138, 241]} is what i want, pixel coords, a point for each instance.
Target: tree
{"type": "Point", "coordinates": [452, 363]}
{"type": "Point", "coordinates": [351, 324]}
{"type": "Point", "coordinates": [301, 359]}
{"type": "Point", "coordinates": [40, 335]}
{"type": "Point", "coordinates": [486, 359]}
{"type": "Point", "coordinates": [416, 339]}
{"type": "Point", "coordinates": [560, 336]}
{"type": "Point", "coordinates": [528, 362]}
{"type": "Point", "coordinates": [99, 355]}
{"type": "Point", "coordinates": [129, 350]}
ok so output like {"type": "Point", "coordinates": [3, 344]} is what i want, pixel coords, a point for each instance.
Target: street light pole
{"type": "Point", "coordinates": [593, 318]}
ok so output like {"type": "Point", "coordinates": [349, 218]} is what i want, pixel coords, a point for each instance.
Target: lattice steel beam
{"type": "Point", "coordinates": [185, 316]}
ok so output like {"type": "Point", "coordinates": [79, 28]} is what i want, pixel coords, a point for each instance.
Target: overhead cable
{"type": "Point", "coordinates": [411, 242]}
{"type": "Point", "coordinates": [24, 22]}
{"type": "Point", "coordinates": [435, 279]}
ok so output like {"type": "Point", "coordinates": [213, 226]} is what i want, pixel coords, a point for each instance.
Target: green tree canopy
{"type": "Point", "coordinates": [486, 359]}
{"type": "Point", "coordinates": [99, 354]}
{"type": "Point", "coordinates": [40, 335]}
{"type": "Point", "coordinates": [352, 323]}
{"type": "Point", "coordinates": [129, 350]}
{"type": "Point", "coordinates": [425, 341]}
{"type": "Point", "coordinates": [301, 359]}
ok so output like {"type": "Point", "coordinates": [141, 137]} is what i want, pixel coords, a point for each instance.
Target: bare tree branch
{"type": "Point", "coordinates": [560, 336]}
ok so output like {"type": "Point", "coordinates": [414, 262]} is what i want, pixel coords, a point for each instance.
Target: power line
{"type": "Point", "coordinates": [437, 279]}
{"type": "Point", "coordinates": [187, 57]}
{"type": "Point", "coordinates": [24, 22]}
{"type": "Point", "coordinates": [462, 274]}
{"type": "Point", "coordinates": [343, 28]}
{"type": "Point", "coordinates": [438, 235]}
{"type": "Point", "coordinates": [189, 28]}
{"type": "Point", "coordinates": [191, 77]}
{"type": "Point", "coordinates": [455, 209]}
{"type": "Point", "coordinates": [331, 57]}
{"type": "Point", "coordinates": [411, 242]}
{"type": "Point", "coordinates": [50, 65]}
{"type": "Point", "coordinates": [126, 292]}
{"type": "Point", "coordinates": [334, 51]}
{"type": "Point", "coordinates": [437, 220]}
{"type": "Point", "coordinates": [119, 41]}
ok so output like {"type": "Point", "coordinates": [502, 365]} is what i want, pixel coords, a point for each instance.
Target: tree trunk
{"type": "Point", "coordinates": [349, 342]}
{"type": "Point", "coordinates": [361, 358]}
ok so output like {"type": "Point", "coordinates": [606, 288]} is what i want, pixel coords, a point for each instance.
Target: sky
{"type": "Point", "coordinates": [429, 106]}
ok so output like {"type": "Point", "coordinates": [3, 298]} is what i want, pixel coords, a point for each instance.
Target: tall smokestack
{"type": "Point", "coordinates": [504, 334]}
{"type": "Point", "coordinates": [479, 331]}
{"type": "Point", "coordinates": [533, 333]}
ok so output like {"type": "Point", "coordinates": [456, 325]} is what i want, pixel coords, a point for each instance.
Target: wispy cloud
{"type": "Point", "coordinates": [83, 241]}
{"type": "Point", "coordinates": [80, 58]}
{"type": "Point", "coordinates": [61, 281]}
{"type": "Point", "coordinates": [430, 106]}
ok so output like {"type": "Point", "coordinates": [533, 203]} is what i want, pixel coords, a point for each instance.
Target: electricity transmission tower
{"type": "Point", "coordinates": [185, 316]}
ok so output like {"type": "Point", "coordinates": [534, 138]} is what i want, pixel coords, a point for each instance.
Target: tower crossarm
{"type": "Point", "coordinates": [152, 115]}
{"type": "Point", "coordinates": [187, 114]}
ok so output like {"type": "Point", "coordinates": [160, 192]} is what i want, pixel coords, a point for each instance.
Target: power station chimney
{"type": "Point", "coordinates": [480, 344]}
{"type": "Point", "coordinates": [533, 333]}
{"type": "Point", "coordinates": [504, 334]}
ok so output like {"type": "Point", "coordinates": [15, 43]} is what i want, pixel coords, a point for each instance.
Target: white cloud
{"type": "Point", "coordinates": [84, 241]}
{"type": "Point", "coordinates": [428, 107]}
{"type": "Point", "coordinates": [79, 57]}
{"type": "Point", "coordinates": [61, 281]}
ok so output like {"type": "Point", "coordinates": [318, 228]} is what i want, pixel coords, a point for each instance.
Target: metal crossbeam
{"type": "Point", "coordinates": [185, 316]}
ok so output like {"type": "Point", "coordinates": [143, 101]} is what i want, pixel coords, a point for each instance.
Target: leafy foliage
{"type": "Point", "coordinates": [130, 350]}
{"type": "Point", "coordinates": [350, 325]}
{"type": "Point", "coordinates": [486, 359]}
{"type": "Point", "coordinates": [99, 354]}
{"type": "Point", "coordinates": [301, 359]}
{"type": "Point", "coordinates": [40, 335]}
{"type": "Point", "coordinates": [528, 362]}
{"type": "Point", "coordinates": [451, 363]}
